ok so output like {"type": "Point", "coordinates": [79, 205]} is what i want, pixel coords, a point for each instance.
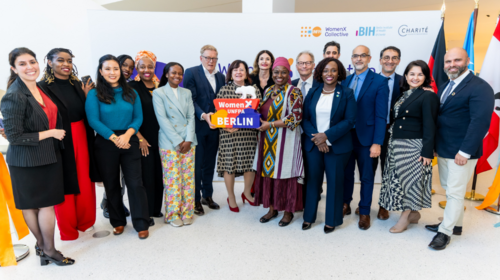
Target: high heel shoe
{"type": "Point", "coordinates": [414, 217]}
{"type": "Point", "coordinates": [328, 229]}
{"type": "Point", "coordinates": [306, 226]}
{"type": "Point", "coordinates": [243, 197]}
{"type": "Point", "coordinates": [235, 209]}
{"type": "Point", "coordinates": [46, 259]}
{"type": "Point", "coordinates": [39, 251]}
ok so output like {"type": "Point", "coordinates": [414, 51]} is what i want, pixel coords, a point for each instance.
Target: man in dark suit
{"type": "Point", "coordinates": [466, 105]}
{"type": "Point", "coordinates": [332, 49]}
{"type": "Point", "coordinates": [204, 82]}
{"type": "Point", "coordinates": [371, 92]}
{"type": "Point", "coordinates": [389, 60]}
{"type": "Point", "coordinates": [305, 66]}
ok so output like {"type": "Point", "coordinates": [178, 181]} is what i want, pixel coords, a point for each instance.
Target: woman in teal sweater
{"type": "Point", "coordinates": [115, 113]}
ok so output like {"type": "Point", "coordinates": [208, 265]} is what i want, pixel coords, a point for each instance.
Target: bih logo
{"type": "Point", "coordinates": [307, 31]}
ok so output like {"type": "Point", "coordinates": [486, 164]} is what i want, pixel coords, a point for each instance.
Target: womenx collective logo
{"type": "Point", "coordinates": [307, 31]}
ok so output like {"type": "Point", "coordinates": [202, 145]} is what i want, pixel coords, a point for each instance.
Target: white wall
{"type": "Point", "coordinates": [45, 24]}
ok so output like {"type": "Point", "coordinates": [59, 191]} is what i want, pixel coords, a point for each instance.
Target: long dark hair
{"type": "Point", "coordinates": [164, 79]}
{"type": "Point", "coordinates": [256, 69]}
{"type": "Point", "coordinates": [105, 92]}
{"type": "Point", "coordinates": [13, 55]}
{"type": "Point", "coordinates": [236, 64]}
{"type": "Point", "coordinates": [48, 75]}
{"type": "Point", "coordinates": [425, 70]}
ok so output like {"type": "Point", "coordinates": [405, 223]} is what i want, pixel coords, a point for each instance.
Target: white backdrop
{"type": "Point", "coordinates": [179, 36]}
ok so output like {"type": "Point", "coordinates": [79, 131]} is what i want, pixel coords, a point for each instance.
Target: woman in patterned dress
{"type": "Point", "coordinates": [280, 168]}
{"type": "Point", "coordinates": [407, 178]}
{"type": "Point", "coordinates": [237, 146]}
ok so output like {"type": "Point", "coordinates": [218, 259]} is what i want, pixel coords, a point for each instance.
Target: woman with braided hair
{"type": "Point", "coordinates": [60, 82]}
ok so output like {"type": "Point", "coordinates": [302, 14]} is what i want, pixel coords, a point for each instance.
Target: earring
{"type": "Point", "coordinates": [50, 78]}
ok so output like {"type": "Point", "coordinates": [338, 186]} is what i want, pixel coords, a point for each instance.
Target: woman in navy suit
{"type": "Point", "coordinates": [329, 115]}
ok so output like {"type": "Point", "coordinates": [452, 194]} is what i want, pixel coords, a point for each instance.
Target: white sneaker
{"type": "Point", "coordinates": [188, 221]}
{"type": "Point", "coordinates": [176, 223]}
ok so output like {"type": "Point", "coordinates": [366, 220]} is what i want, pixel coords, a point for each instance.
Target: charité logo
{"type": "Point", "coordinates": [307, 31]}
{"type": "Point", "coordinates": [406, 30]}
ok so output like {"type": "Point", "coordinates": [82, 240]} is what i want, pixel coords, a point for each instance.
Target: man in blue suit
{"type": "Point", "coordinates": [389, 60]}
{"type": "Point", "coordinates": [205, 81]}
{"type": "Point", "coordinates": [305, 66]}
{"type": "Point", "coordinates": [464, 118]}
{"type": "Point", "coordinates": [371, 92]}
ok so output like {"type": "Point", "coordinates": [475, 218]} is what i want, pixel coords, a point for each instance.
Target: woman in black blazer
{"type": "Point", "coordinates": [329, 115]}
{"type": "Point", "coordinates": [60, 82]}
{"type": "Point", "coordinates": [407, 178]}
{"type": "Point", "coordinates": [33, 127]}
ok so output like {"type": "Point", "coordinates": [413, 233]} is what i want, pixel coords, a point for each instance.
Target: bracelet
{"type": "Point", "coordinates": [140, 140]}
{"type": "Point", "coordinates": [272, 124]}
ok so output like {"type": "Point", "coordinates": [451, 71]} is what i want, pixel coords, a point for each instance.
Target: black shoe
{"type": "Point", "coordinates": [105, 213]}
{"type": "Point", "coordinates": [434, 228]}
{"type": "Point", "coordinates": [329, 229]}
{"type": "Point", "coordinates": [198, 209]}
{"type": "Point", "coordinates": [210, 203]}
{"type": "Point", "coordinates": [39, 251]}
{"type": "Point", "coordinates": [306, 226]}
{"type": "Point", "coordinates": [127, 213]}
{"type": "Point", "coordinates": [159, 215]}
{"type": "Point", "coordinates": [264, 220]}
{"type": "Point", "coordinates": [45, 260]}
{"type": "Point", "coordinates": [284, 224]}
{"type": "Point", "coordinates": [151, 222]}
{"type": "Point", "coordinates": [440, 241]}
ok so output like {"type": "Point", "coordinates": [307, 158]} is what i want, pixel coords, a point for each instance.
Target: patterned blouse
{"type": "Point", "coordinates": [294, 116]}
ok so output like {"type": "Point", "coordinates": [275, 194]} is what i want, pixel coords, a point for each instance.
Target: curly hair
{"type": "Point", "coordinates": [48, 75]}
{"type": "Point", "coordinates": [318, 72]}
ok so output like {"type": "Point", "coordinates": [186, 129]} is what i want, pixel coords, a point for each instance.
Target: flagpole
{"type": "Point", "coordinates": [472, 195]}
{"type": "Point", "coordinates": [442, 204]}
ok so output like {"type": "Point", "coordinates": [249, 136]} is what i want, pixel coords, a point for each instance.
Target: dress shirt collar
{"type": "Point", "coordinates": [392, 76]}
{"type": "Point", "coordinates": [309, 81]}
{"type": "Point", "coordinates": [458, 80]}
{"type": "Point", "coordinates": [208, 73]}
{"type": "Point", "coordinates": [362, 76]}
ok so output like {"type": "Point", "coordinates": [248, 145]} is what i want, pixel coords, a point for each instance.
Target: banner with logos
{"type": "Point", "coordinates": [179, 36]}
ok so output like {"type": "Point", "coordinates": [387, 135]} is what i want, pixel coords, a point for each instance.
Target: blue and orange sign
{"type": "Point", "coordinates": [236, 113]}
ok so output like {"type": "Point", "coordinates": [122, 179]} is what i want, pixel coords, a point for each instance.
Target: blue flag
{"type": "Point", "coordinates": [469, 41]}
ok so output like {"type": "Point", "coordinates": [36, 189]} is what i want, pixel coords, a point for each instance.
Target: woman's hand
{"type": "Point", "coordinates": [2, 132]}
{"type": "Point", "coordinates": [122, 141]}
{"type": "Point", "coordinates": [425, 161]}
{"type": "Point", "coordinates": [87, 87]}
{"type": "Point", "coordinates": [185, 147]}
{"type": "Point", "coordinates": [231, 130]}
{"type": "Point", "coordinates": [143, 146]}
{"type": "Point", "coordinates": [264, 126]}
{"type": "Point", "coordinates": [319, 138]}
{"type": "Point", "coordinates": [323, 147]}
{"type": "Point", "coordinates": [58, 134]}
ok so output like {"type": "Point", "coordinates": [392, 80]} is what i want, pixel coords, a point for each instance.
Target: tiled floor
{"type": "Point", "coordinates": [227, 245]}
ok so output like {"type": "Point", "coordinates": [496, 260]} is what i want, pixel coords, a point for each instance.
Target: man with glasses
{"type": "Point", "coordinates": [204, 81]}
{"type": "Point", "coordinates": [305, 66]}
{"type": "Point", "coordinates": [332, 49]}
{"type": "Point", "coordinates": [371, 93]}
{"type": "Point", "coordinates": [389, 60]}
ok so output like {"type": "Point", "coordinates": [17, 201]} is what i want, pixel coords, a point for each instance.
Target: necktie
{"type": "Point", "coordinates": [354, 86]}
{"type": "Point", "coordinates": [447, 93]}
{"type": "Point", "coordinates": [303, 89]}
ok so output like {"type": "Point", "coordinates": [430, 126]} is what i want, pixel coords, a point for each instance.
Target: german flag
{"type": "Point", "coordinates": [436, 62]}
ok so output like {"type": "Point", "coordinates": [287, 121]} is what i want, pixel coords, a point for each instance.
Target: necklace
{"type": "Point", "coordinates": [328, 91]}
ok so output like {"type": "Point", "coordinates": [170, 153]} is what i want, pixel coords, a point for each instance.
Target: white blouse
{"type": "Point", "coordinates": [323, 113]}
{"type": "Point", "coordinates": [175, 92]}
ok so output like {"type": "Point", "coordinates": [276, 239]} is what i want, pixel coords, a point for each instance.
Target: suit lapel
{"type": "Point", "coordinates": [207, 83]}
{"type": "Point", "coordinates": [37, 108]}
{"type": "Point", "coordinates": [314, 103]}
{"type": "Point", "coordinates": [457, 90]}
{"type": "Point", "coordinates": [337, 95]}
{"type": "Point", "coordinates": [366, 84]}
{"type": "Point", "coordinates": [169, 93]}
{"type": "Point", "coordinates": [414, 96]}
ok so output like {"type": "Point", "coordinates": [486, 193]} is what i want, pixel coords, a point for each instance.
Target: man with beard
{"type": "Point", "coordinates": [371, 92]}
{"type": "Point", "coordinates": [464, 118]}
{"type": "Point", "coordinates": [389, 60]}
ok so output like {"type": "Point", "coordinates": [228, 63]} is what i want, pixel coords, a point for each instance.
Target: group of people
{"type": "Point", "coordinates": [155, 139]}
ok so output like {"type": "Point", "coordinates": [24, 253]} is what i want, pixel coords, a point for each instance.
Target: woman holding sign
{"type": "Point", "coordinates": [237, 146]}
{"type": "Point", "coordinates": [280, 168]}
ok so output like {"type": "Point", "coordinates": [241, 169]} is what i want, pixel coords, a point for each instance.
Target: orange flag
{"type": "Point", "coordinates": [7, 206]}
{"type": "Point", "coordinates": [492, 194]}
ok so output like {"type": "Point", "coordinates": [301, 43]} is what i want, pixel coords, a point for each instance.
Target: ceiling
{"type": "Point", "coordinates": [456, 18]}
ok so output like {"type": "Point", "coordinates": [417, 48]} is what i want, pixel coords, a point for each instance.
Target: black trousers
{"type": "Point", "coordinates": [152, 178]}
{"type": "Point", "coordinates": [109, 159]}
{"type": "Point", "coordinates": [204, 163]}
{"type": "Point", "coordinates": [383, 154]}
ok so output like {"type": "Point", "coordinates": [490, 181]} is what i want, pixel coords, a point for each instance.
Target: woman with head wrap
{"type": "Point", "coordinates": [144, 83]}
{"type": "Point", "coordinates": [280, 168]}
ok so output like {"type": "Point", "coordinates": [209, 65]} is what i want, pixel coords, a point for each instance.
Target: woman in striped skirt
{"type": "Point", "coordinates": [407, 178]}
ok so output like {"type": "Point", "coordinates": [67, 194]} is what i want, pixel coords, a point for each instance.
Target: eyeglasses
{"type": "Point", "coordinates": [210, 58]}
{"type": "Point", "coordinates": [302, 63]}
{"type": "Point", "coordinates": [363, 55]}
{"type": "Point", "coordinates": [387, 58]}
